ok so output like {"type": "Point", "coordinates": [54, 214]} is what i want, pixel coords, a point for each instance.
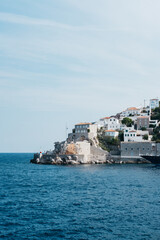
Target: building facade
{"type": "Point", "coordinates": [154, 103]}
{"type": "Point", "coordinates": [143, 122]}
{"type": "Point", "coordinates": [111, 133]}
{"type": "Point", "coordinates": [83, 131]}
{"type": "Point", "coordinates": [132, 111]}
{"type": "Point", "coordinates": [135, 149]}
{"type": "Point", "coordinates": [113, 124]}
{"type": "Point", "coordinates": [135, 136]}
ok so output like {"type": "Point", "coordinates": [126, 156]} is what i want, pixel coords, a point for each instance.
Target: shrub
{"type": "Point", "coordinates": [143, 129]}
{"type": "Point", "coordinates": [145, 137]}
{"type": "Point", "coordinates": [127, 121]}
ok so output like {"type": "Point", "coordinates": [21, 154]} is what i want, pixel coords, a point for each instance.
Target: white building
{"type": "Point", "coordinates": [135, 136]}
{"type": "Point", "coordinates": [123, 127]}
{"type": "Point", "coordinates": [145, 111]}
{"type": "Point", "coordinates": [154, 103]}
{"type": "Point", "coordinates": [113, 124]}
{"type": "Point", "coordinates": [103, 122]}
{"type": "Point", "coordinates": [111, 133]}
{"type": "Point", "coordinates": [153, 123]}
{"type": "Point", "coordinates": [109, 123]}
{"type": "Point", "coordinates": [132, 111]}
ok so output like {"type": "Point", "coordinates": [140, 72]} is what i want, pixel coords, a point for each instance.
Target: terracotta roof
{"type": "Point", "coordinates": [110, 130]}
{"type": "Point", "coordinates": [82, 124]}
{"type": "Point", "coordinates": [106, 118]}
{"type": "Point", "coordinates": [143, 117]}
{"type": "Point", "coordinates": [132, 108]}
{"type": "Point", "coordinates": [132, 131]}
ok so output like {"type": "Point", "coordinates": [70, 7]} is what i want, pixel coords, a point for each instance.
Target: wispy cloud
{"type": "Point", "coordinates": [76, 60]}
{"type": "Point", "coordinates": [25, 20]}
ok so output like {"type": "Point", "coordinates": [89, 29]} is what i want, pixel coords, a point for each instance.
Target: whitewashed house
{"type": "Point", "coordinates": [145, 111]}
{"type": "Point", "coordinates": [113, 124]}
{"type": "Point", "coordinates": [132, 111]}
{"type": "Point", "coordinates": [123, 127]}
{"type": "Point", "coordinates": [135, 135]}
{"type": "Point", "coordinates": [102, 122]}
{"type": "Point", "coordinates": [154, 103]}
{"type": "Point", "coordinates": [109, 123]}
{"type": "Point", "coordinates": [111, 133]}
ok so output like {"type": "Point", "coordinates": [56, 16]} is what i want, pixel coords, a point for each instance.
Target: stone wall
{"type": "Point", "coordinates": [132, 149]}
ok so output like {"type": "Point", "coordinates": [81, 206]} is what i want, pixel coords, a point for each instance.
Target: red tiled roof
{"type": "Point", "coordinates": [110, 130]}
{"type": "Point", "coordinates": [105, 118]}
{"type": "Point", "coordinates": [143, 117]}
{"type": "Point", "coordinates": [82, 124]}
{"type": "Point", "coordinates": [132, 108]}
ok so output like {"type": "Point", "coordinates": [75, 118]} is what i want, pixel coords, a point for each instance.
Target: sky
{"type": "Point", "coordinates": [68, 61]}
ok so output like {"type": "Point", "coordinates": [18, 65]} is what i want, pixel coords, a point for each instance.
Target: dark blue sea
{"type": "Point", "coordinates": [42, 202]}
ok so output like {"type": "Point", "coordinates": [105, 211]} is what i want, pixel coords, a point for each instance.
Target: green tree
{"type": "Point", "coordinates": [156, 134]}
{"type": "Point", "coordinates": [156, 114]}
{"type": "Point", "coordinates": [143, 129]}
{"type": "Point", "coordinates": [127, 121]}
{"type": "Point", "coordinates": [121, 136]}
{"type": "Point", "coordinates": [107, 142]}
{"type": "Point", "coordinates": [145, 137]}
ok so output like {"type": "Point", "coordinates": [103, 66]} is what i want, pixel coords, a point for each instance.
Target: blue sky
{"type": "Point", "coordinates": [67, 61]}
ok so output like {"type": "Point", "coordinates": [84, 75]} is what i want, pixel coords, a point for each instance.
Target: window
{"type": "Point", "coordinates": [131, 149]}
{"type": "Point", "coordinates": [126, 149]}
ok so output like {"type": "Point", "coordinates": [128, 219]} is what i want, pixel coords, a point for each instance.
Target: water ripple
{"type": "Point", "coordinates": [78, 202]}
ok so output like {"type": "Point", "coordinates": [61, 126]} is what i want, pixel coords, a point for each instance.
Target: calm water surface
{"type": "Point", "coordinates": [78, 202]}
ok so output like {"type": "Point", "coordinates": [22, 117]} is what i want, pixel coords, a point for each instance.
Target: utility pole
{"type": "Point", "coordinates": [66, 131]}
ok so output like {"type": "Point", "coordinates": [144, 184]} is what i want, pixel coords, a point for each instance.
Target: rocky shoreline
{"type": "Point", "coordinates": [73, 160]}
{"type": "Point", "coordinates": [81, 152]}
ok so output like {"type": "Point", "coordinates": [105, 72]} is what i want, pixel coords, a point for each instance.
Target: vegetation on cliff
{"type": "Point", "coordinates": [156, 114]}
{"type": "Point", "coordinates": [109, 143]}
{"type": "Point", "coordinates": [156, 134]}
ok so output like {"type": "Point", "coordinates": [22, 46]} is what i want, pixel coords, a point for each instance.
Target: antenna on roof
{"type": "Point", "coordinates": [66, 131]}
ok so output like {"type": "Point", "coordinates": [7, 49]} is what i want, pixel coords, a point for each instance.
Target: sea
{"type": "Point", "coordinates": [85, 202]}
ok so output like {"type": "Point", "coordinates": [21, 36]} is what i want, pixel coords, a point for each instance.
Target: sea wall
{"type": "Point", "coordinates": [136, 149]}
